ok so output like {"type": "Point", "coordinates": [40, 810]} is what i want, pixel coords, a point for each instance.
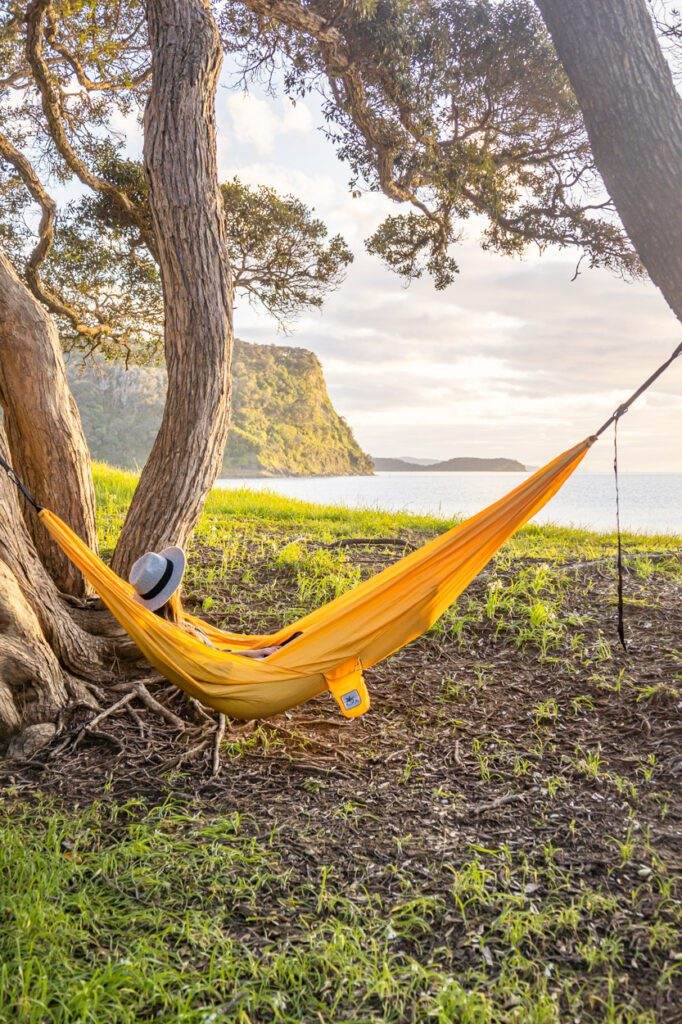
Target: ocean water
{"type": "Point", "coordinates": [650, 502]}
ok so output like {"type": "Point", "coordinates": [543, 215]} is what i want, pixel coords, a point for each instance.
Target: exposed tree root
{"type": "Point", "coordinates": [186, 755]}
{"type": "Point", "coordinates": [155, 705]}
{"type": "Point", "coordinates": [89, 726]}
{"type": "Point", "coordinates": [106, 737]}
{"type": "Point", "coordinates": [199, 708]}
{"type": "Point", "coordinates": [137, 720]}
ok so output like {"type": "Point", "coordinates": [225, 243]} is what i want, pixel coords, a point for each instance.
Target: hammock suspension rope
{"type": "Point", "coordinates": [619, 557]}
{"type": "Point", "coordinates": [615, 416]}
{"type": "Point", "coordinates": [20, 484]}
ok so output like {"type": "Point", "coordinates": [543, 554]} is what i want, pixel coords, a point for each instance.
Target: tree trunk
{"type": "Point", "coordinates": [42, 422]}
{"type": "Point", "coordinates": [187, 210]}
{"type": "Point", "coordinates": [633, 115]}
{"type": "Point", "coordinates": [45, 657]}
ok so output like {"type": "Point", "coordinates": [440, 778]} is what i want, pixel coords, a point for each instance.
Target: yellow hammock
{"type": "Point", "coordinates": [339, 640]}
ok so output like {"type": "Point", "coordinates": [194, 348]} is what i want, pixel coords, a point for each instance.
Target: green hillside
{"type": "Point", "coordinates": [283, 422]}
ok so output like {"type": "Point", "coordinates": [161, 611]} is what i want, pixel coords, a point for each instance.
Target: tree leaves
{"type": "Point", "coordinates": [455, 107]}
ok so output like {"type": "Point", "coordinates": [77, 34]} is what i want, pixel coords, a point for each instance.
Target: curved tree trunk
{"type": "Point", "coordinates": [45, 657]}
{"type": "Point", "coordinates": [184, 196]}
{"type": "Point", "coordinates": [633, 115]}
{"type": "Point", "coordinates": [42, 423]}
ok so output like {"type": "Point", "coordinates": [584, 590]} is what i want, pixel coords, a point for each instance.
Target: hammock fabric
{"type": "Point", "coordinates": [336, 642]}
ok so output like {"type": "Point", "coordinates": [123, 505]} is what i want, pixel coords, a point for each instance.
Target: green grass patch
{"type": "Point", "coordinates": [317, 909]}
{"type": "Point", "coordinates": [134, 913]}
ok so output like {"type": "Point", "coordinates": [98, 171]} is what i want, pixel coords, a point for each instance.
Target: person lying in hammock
{"type": "Point", "coordinates": [156, 579]}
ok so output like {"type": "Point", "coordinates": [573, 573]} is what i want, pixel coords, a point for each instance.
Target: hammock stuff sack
{"type": "Point", "coordinates": [330, 648]}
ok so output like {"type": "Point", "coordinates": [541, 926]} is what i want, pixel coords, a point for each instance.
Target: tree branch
{"type": "Point", "coordinates": [346, 82]}
{"type": "Point", "coordinates": [76, 65]}
{"type": "Point", "coordinates": [54, 302]}
{"type": "Point", "coordinates": [52, 100]}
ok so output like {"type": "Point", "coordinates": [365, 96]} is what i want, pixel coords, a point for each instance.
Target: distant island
{"type": "Point", "coordinates": [459, 465]}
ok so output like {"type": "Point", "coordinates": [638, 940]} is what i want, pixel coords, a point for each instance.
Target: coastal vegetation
{"type": "Point", "coordinates": [283, 422]}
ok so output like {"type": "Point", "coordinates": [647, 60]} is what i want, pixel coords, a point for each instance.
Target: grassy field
{"type": "Point", "coordinates": [497, 841]}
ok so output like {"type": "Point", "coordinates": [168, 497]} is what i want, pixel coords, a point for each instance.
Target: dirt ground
{"type": "Point", "coordinates": [567, 759]}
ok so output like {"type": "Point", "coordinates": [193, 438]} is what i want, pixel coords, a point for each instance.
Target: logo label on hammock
{"type": "Point", "coordinates": [351, 699]}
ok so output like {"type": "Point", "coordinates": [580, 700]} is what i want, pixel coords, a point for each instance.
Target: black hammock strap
{"type": "Point", "coordinates": [623, 408]}
{"type": "Point", "coordinates": [615, 416]}
{"type": "Point", "coordinates": [619, 557]}
{"type": "Point", "coordinates": [20, 484]}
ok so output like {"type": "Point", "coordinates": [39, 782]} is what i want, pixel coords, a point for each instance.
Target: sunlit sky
{"type": "Point", "coordinates": [514, 359]}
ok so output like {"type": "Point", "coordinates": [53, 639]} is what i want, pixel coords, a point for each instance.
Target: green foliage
{"type": "Point", "coordinates": [134, 912]}
{"type": "Point", "coordinates": [302, 911]}
{"type": "Point", "coordinates": [456, 108]}
{"type": "Point", "coordinates": [282, 418]}
{"type": "Point", "coordinates": [279, 252]}
{"type": "Point", "coordinates": [323, 575]}
{"type": "Point", "coordinates": [459, 108]}
{"type": "Point", "coordinates": [264, 511]}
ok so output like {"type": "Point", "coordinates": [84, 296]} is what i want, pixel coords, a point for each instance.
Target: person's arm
{"type": "Point", "coordinates": [262, 652]}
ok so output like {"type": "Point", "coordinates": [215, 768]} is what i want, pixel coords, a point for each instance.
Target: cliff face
{"type": "Point", "coordinates": [283, 421]}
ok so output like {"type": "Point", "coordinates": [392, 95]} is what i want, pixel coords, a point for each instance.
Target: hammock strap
{"type": "Point", "coordinates": [613, 418]}
{"type": "Point", "coordinates": [20, 484]}
{"type": "Point", "coordinates": [621, 616]}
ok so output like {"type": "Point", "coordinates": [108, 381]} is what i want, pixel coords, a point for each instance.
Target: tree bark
{"type": "Point", "coordinates": [633, 116]}
{"type": "Point", "coordinates": [187, 210]}
{"type": "Point", "coordinates": [45, 657]}
{"type": "Point", "coordinates": [43, 426]}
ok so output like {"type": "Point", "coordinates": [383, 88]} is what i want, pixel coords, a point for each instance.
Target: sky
{"type": "Point", "coordinates": [514, 359]}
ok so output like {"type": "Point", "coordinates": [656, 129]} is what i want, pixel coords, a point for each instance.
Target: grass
{"type": "Point", "coordinates": [131, 912]}
{"type": "Point", "coordinates": [490, 849]}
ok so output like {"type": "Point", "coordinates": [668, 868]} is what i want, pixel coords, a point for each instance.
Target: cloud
{"type": "Point", "coordinates": [258, 123]}
{"type": "Point", "coordinates": [128, 128]}
{"type": "Point", "coordinates": [513, 359]}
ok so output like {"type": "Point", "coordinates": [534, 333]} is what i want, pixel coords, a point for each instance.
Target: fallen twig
{"type": "Point", "coordinates": [175, 762]}
{"type": "Point", "coordinates": [307, 741]}
{"type": "Point", "coordinates": [500, 801]}
{"type": "Point", "coordinates": [136, 719]}
{"type": "Point", "coordinates": [218, 738]}
{"type": "Point", "coordinates": [329, 723]}
{"type": "Point", "coordinates": [152, 703]}
{"type": "Point", "coordinates": [90, 726]}
{"type": "Point", "coordinates": [384, 542]}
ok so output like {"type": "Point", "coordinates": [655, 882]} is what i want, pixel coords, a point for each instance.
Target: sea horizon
{"type": "Point", "coordinates": [586, 501]}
